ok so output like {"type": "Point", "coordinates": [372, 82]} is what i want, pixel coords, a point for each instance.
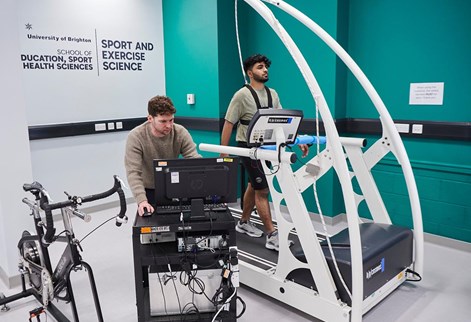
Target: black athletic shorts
{"type": "Point", "coordinates": [254, 169]}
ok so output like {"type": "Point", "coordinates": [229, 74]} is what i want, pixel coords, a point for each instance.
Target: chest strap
{"type": "Point", "coordinates": [257, 101]}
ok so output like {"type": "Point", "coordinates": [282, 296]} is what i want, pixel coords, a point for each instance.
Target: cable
{"type": "Point", "coordinates": [182, 219]}
{"type": "Point", "coordinates": [163, 293]}
{"type": "Point", "coordinates": [409, 271]}
{"type": "Point", "coordinates": [172, 277]}
{"type": "Point", "coordinates": [318, 205]}
{"type": "Point", "coordinates": [175, 287]}
{"type": "Point", "coordinates": [238, 41]}
{"type": "Point", "coordinates": [258, 160]}
{"type": "Point", "coordinates": [209, 235]}
{"type": "Point", "coordinates": [93, 230]}
{"type": "Point", "coordinates": [222, 306]}
{"type": "Point", "coordinates": [57, 236]}
{"type": "Point", "coordinates": [188, 276]}
{"type": "Point", "coordinates": [160, 280]}
{"type": "Point", "coordinates": [212, 265]}
{"type": "Point", "coordinates": [243, 306]}
{"type": "Point", "coordinates": [196, 280]}
{"type": "Point", "coordinates": [282, 145]}
{"type": "Point", "coordinates": [192, 310]}
{"type": "Point", "coordinates": [186, 264]}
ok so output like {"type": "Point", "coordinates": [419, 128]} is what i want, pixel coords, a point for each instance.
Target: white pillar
{"type": "Point", "coordinates": [15, 157]}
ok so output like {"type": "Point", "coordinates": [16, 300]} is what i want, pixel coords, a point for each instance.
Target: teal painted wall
{"type": "Point", "coordinates": [285, 77]}
{"type": "Point", "coordinates": [394, 42]}
{"type": "Point", "coordinates": [284, 74]}
{"type": "Point", "coordinates": [401, 42]}
{"type": "Point", "coordinates": [191, 55]}
{"type": "Point", "coordinates": [230, 75]}
{"type": "Point", "coordinates": [201, 55]}
{"type": "Point", "coordinates": [444, 195]}
{"type": "Point", "coordinates": [201, 58]}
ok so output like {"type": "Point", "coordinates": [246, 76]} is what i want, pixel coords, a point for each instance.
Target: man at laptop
{"type": "Point", "coordinates": [158, 138]}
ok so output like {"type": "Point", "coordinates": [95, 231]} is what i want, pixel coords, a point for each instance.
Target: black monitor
{"type": "Point", "coordinates": [208, 180]}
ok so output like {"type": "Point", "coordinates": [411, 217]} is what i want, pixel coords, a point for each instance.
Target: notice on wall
{"type": "Point", "coordinates": [426, 93]}
{"type": "Point", "coordinates": [90, 60]}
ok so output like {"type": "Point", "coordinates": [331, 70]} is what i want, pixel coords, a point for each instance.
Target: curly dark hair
{"type": "Point", "coordinates": [159, 105]}
{"type": "Point", "coordinates": [257, 58]}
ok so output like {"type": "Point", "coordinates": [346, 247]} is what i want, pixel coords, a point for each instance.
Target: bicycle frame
{"type": "Point", "coordinates": [51, 286]}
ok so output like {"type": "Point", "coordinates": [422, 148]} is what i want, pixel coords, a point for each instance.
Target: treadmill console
{"type": "Point", "coordinates": [261, 130]}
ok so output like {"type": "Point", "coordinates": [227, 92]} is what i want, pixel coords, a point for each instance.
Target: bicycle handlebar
{"type": "Point", "coordinates": [36, 188]}
{"type": "Point", "coordinates": [79, 214]}
{"type": "Point", "coordinates": [30, 204]}
{"type": "Point", "coordinates": [45, 204]}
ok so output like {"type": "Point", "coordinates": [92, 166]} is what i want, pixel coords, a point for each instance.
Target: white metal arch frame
{"type": "Point", "coordinates": [337, 153]}
{"type": "Point", "coordinates": [324, 303]}
{"type": "Point", "coordinates": [389, 129]}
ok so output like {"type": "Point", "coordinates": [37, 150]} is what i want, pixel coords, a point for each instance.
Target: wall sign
{"type": "Point", "coordinates": [90, 60]}
{"type": "Point", "coordinates": [426, 93]}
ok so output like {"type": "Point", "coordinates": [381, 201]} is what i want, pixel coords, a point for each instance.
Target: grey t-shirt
{"type": "Point", "coordinates": [243, 107]}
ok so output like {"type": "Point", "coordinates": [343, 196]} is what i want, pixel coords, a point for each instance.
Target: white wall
{"type": "Point", "coordinates": [84, 87]}
{"type": "Point", "coordinates": [15, 160]}
{"type": "Point", "coordinates": [80, 165]}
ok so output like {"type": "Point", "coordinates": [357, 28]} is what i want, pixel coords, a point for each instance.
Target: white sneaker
{"type": "Point", "coordinates": [273, 242]}
{"type": "Point", "coordinates": [249, 229]}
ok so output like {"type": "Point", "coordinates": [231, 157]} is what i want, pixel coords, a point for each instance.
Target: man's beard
{"type": "Point", "coordinates": [260, 79]}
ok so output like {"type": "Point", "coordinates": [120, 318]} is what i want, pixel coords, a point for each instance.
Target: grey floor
{"type": "Point", "coordinates": [443, 295]}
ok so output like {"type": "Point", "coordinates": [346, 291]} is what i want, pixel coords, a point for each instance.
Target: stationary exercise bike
{"type": "Point", "coordinates": [45, 283]}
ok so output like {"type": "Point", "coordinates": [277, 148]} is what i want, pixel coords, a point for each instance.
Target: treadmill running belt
{"type": "Point", "coordinates": [252, 249]}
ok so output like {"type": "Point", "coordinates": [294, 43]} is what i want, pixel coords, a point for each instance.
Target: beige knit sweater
{"type": "Point", "coordinates": [142, 147]}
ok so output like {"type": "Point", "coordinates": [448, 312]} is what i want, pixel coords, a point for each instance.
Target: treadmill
{"type": "Point", "coordinates": [319, 275]}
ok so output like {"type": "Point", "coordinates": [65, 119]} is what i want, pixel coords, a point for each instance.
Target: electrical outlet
{"type": "Point", "coordinates": [100, 127]}
{"type": "Point", "coordinates": [417, 128]}
{"type": "Point", "coordinates": [402, 128]}
{"type": "Point", "coordinates": [190, 99]}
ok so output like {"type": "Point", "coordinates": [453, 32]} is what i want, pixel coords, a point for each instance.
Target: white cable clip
{"type": "Point", "coordinates": [123, 220]}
